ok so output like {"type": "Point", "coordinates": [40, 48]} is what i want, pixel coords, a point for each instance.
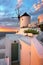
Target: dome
{"type": "Point", "coordinates": [25, 14]}
{"type": "Point", "coordinates": [40, 16]}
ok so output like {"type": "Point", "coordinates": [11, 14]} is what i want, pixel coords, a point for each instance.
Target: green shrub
{"type": "Point", "coordinates": [41, 27]}
{"type": "Point", "coordinates": [31, 31]}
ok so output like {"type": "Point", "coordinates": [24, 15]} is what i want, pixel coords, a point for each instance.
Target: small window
{"type": "Point", "coordinates": [20, 46]}
{"type": "Point", "coordinates": [2, 55]}
{"type": "Point", "coordinates": [22, 19]}
{"type": "Point", "coordinates": [2, 46]}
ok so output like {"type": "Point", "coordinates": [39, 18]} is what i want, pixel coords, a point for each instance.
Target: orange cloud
{"type": "Point", "coordinates": [42, 0]}
{"type": "Point", "coordinates": [7, 29]}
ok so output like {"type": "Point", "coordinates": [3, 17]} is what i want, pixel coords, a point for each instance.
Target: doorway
{"type": "Point", "coordinates": [14, 52]}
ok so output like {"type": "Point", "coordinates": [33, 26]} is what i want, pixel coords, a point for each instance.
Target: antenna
{"type": "Point", "coordinates": [18, 8]}
{"type": "Point", "coordinates": [18, 13]}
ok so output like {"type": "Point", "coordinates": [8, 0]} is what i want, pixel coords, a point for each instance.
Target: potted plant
{"type": "Point", "coordinates": [41, 27]}
{"type": "Point", "coordinates": [31, 32]}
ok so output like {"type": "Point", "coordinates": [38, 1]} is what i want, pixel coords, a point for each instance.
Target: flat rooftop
{"type": "Point", "coordinates": [13, 37]}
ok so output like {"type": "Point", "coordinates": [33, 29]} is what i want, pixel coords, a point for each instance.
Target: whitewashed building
{"type": "Point", "coordinates": [29, 51]}
{"type": "Point", "coordinates": [24, 20]}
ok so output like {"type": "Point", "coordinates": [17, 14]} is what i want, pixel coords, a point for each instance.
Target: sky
{"type": "Point", "coordinates": [9, 8]}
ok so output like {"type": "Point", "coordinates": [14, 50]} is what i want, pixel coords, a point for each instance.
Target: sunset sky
{"type": "Point", "coordinates": [32, 7]}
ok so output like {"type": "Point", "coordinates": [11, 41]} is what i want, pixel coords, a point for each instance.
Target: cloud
{"type": "Point", "coordinates": [40, 11]}
{"type": "Point", "coordinates": [42, 0]}
{"type": "Point", "coordinates": [19, 3]}
{"type": "Point", "coordinates": [36, 7]}
{"type": "Point", "coordinates": [2, 14]}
